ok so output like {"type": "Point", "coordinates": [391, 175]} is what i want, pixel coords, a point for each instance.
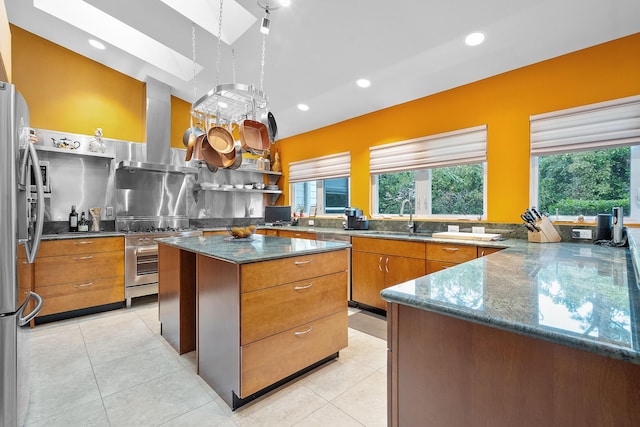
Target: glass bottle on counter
{"type": "Point", "coordinates": [73, 219]}
{"type": "Point", "coordinates": [83, 225]}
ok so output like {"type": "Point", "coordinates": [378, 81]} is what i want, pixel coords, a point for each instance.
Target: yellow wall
{"type": "Point", "coordinates": [504, 102]}
{"type": "Point", "coordinates": [180, 120]}
{"type": "Point", "coordinates": [70, 93]}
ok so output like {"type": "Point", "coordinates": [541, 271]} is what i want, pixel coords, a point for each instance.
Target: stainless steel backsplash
{"type": "Point", "coordinates": [87, 181]}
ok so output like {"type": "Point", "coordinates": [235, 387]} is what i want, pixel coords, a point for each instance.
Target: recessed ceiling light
{"type": "Point", "coordinates": [285, 3]}
{"type": "Point", "coordinates": [363, 83]}
{"type": "Point", "coordinates": [97, 44]}
{"type": "Point", "coordinates": [303, 107]}
{"type": "Point", "coordinates": [474, 39]}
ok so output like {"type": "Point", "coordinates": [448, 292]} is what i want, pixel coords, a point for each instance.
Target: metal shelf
{"type": "Point", "coordinates": [230, 103]}
{"type": "Point", "coordinates": [73, 152]}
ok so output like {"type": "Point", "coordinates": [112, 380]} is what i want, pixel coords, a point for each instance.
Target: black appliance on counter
{"type": "Point", "coordinates": [355, 220]}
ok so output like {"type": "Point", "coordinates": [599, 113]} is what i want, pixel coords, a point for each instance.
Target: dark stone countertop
{"type": "Point", "coordinates": [581, 296]}
{"type": "Point", "coordinates": [257, 248]}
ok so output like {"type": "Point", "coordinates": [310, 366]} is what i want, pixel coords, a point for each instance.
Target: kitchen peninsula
{"type": "Point", "coordinates": [535, 335]}
{"type": "Point", "coordinates": [257, 311]}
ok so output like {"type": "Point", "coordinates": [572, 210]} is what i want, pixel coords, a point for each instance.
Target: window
{"type": "Point", "coordinates": [322, 182]}
{"type": "Point", "coordinates": [585, 160]}
{"type": "Point", "coordinates": [442, 175]}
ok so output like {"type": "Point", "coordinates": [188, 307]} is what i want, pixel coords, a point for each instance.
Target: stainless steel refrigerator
{"type": "Point", "coordinates": [21, 217]}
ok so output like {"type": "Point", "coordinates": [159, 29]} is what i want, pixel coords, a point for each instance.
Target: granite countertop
{"type": "Point", "coordinates": [81, 235]}
{"type": "Point", "coordinates": [582, 296]}
{"type": "Point", "coordinates": [257, 248]}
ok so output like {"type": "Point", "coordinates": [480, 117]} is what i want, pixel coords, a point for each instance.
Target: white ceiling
{"type": "Point", "coordinates": [317, 49]}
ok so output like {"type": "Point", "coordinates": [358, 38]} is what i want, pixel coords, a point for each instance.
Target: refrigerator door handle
{"type": "Point", "coordinates": [32, 251]}
{"type": "Point", "coordinates": [22, 321]}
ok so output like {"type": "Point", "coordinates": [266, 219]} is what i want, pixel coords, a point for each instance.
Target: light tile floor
{"type": "Point", "coordinates": [115, 369]}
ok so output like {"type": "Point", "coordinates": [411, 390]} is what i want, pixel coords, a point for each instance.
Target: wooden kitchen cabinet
{"type": "Point", "coordinates": [444, 255]}
{"type": "Point", "coordinates": [297, 234]}
{"type": "Point", "coordinates": [267, 232]}
{"type": "Point", "coordinates": [79, 273]}
{"type": "Point", "coordinates": [265, 321]}
{"type": "Point", "coordinates": [484, 251]}
{"type": "Point", "coordinates": [380, 263]}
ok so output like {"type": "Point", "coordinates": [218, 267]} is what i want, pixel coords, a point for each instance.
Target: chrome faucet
{"type": "Point", "coordinates": [411, 226]}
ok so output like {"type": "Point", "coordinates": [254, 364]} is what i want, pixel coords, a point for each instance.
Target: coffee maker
{"type": "Point", "coordinates": [618, 227]}
{"type": "Point", "coordinates": [355, 220]}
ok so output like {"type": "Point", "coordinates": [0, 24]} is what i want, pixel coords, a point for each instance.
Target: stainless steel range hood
{"type": "Point", "coordinates": [158, 155]}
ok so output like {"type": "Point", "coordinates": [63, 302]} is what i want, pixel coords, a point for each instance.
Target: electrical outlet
{"type": "Point", "coordinates": [453, 228]}
{"type": "Point", "coordinates": [109, 210]}
{"type": "Point", "coordinates": [578, 233]}
{"type": "Point", "coordinates": [311, 222]}
{"type": "Point", "coordinates": [479, 230]}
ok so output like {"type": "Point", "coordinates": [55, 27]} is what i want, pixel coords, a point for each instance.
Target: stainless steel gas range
{"type": "Point", "coordinates": [141, 252]}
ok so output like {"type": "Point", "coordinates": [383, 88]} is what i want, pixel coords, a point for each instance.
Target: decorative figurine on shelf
{"type": "Point", "coordinates": [277, 167]}
{"type": "Point", "coordinates": [97, 144]}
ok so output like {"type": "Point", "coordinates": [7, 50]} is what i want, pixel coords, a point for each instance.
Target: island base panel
{"type": "Point", "coordinates": [177, 297]}
{"type": "Point", "coordinates": [454, 373]}
{"type": "Point", "coordinates": [218, 337]}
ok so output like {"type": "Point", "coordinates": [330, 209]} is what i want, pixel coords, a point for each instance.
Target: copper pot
{"type": "Point", "coordinates": [254, 135]}
{"type": "Point", "coordinates": [217, 159]}
{"type": "Point", "coordinates": [220, 139]}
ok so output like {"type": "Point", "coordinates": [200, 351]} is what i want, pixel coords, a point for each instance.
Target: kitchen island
{"type": "Point", "coordinates": [258, 311]}
{"type": "Point", "coordinates": [542, 334]}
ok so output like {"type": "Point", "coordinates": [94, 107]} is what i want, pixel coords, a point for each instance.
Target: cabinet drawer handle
{"type": "Point", "coordinates": [299, 288]}
{"type": "Point", "coordinates": [380, 264]}
{"type": "Point", "coordinates": [482, 253]}
{"type": "Point", "coordinates": [303, 332]}
{"type": "Point", "coordinates": [84, 242]}
{"type": "Point", "coordinates": [450, 249]}
{"type": "Point", "coordinates": [84, 285]}
{"type": "Point", "coordinates": [83, 257]}
{"type": "Point", "coordinates": [302, 262]}
{"type": "Point", "coordinates": [386, 265]}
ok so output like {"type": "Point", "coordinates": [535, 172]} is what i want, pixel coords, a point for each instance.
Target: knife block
{"type": "Point", "coordinates": [546, 234]}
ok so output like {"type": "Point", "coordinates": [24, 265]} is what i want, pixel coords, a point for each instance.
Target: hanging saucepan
{"type": "Point", "coordinates": [238, 160]}
{"type": "Point", "coordinates": [220, 139]}
{"type": "Point", "coordinates": [273, 127]}
{"type": "Point", "coordinates": [217, 159]}
{"type": "Point", "coordinates": [254, 135]}
{"type": "Point", "coordinates": [197, 148]}
{"type": "Point", "coordinates": [195, 130]}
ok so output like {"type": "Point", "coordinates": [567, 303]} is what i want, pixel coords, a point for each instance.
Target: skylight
{"type": "Point", "coordinates": [115, 32]}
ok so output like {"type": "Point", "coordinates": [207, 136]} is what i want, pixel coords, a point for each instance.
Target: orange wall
{"type": "Point", "coordinates": [180, 120]}
{"type": "Point", "coordinates": [70, 93]}
{"type": "Point", "coordinates": [504, 102]}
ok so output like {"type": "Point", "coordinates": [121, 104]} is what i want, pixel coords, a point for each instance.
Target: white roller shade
{"type": "Point", "coordinates": [459, 147]}
{"type": "Point", "coordinates": [603, 125]}
{"type": "Point", "coordinates": [326, 167]}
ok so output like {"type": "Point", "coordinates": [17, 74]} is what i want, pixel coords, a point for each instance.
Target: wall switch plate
{"type": "Point", "coordinates": [453, 228]}
{"type": "Point", "coordinates": [581, 234]}
{"type": "Point", "coordinates": [311, 222]}
{"type": "Point", "coordinates": [479, 230]}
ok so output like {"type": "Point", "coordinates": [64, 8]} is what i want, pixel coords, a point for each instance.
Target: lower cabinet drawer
{"type": "Point", "coordinates": [76, 295]}
{"type": "Point", "coordinates": [269, 311]}
{"type": "Point", "coordinates": [433, 266]}
{"type": "Point", "coordinates": [267, 361]}
{"type": "Point", "coordinates": [73, 268]}
{"type": "Point", "coordinates": [450, 252]}
{"type": "Point", "coordinates": [260, 275]}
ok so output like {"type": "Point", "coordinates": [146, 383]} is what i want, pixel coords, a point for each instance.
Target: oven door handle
{"type": "Point", "coordinates": [147, 250]}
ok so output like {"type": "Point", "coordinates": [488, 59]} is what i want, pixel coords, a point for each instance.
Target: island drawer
{"type": "Point", "coordinates": [269, 360]}
{"type": "Point", "coordinates": [269, 311]}
{"type": "Point", "coordinates": [80, 246]}
{"type": "Point", "coordinates": [76, 295]}
{"type": "Point", "coordinates": [63, 269]}
{"type": "Point", "coordinates": [265, 274]}
{"type": "Point", "coordinates": [389, 247]}
{"type": "Point", "coordinates": [450, 252]}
